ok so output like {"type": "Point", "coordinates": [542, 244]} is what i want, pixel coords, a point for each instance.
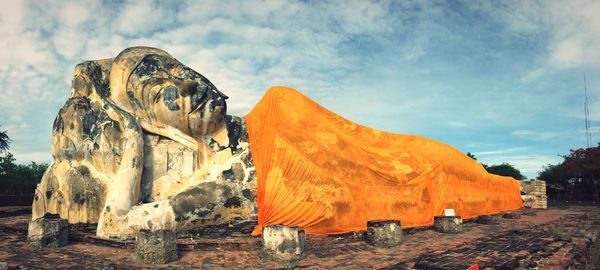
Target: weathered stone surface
{"type": "Point", "coordinates": [485, 219]}
{"type": "Point", "coordinates": [448, 224]}
{"type": "Point", "coordinates": [282, 243]}
{"type": "Point", "coordinates": [511, 215]}
{"type": "Point", "coordinates": [384, 233]}
{"type": "Point", "coordinates": [48, 231]}
{"type": "Point", "coordinates": [145, 143]}
{"type": "Point", "coordinates": [156, 247]}
{"type": "Point", "coordinates": [534, 194]}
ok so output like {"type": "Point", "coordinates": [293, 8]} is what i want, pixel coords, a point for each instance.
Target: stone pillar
{"type": "Point", "coordinates": [283, 244]}
{"type": "Point", "coordinates": [384, 233]}
{"type": "Point", "coordinates": [448, 224]}
{"type": "Point", "coordinates": [48, 231]}
{"type": "Point", "coordinates": [156, 247]}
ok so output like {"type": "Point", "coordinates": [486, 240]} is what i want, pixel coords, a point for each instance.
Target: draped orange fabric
{"type": "Point", "coordinates": [321, 172]}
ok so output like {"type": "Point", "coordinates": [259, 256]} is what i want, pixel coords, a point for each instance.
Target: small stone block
{"type": "Point", "coordinates": [282, 243]}
{"type": "Point", "coordinates": [485, 219]}
{"type": "Point", "coordinates": [511, 215]}
{"type": "Point", "coordinates": [156, 247]}
{"type": "Point", "coordinates": [448, 224]}
{"type": "Point", "coordinates": [384, 233]}
{"type": "Point", "coordinates": [48, 231]}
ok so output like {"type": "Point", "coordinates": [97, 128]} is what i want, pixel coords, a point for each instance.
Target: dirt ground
{"type": "Point", "coordinates": [562, 237]}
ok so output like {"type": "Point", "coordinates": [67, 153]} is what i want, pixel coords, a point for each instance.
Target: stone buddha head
{"type": "Point", "coordinates": [154, 86]}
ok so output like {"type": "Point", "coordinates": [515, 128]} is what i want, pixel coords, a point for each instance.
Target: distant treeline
{"type": "Point", "coordinates": [504, 169]}
{"type": "Point", "coordinates": [18, 178]}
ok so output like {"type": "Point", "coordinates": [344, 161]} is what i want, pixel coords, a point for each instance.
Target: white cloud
{"type": "Point", "coordinates": [27, 156]}
{"type": "Point", "coordinates": [74, 14]}
{"type": "Point", "coordinates": [456, 124]}
{"type": "Point", "coordinates": [536, 135]}
{"type": "Point", "coordinates": [572, 28]}
{"type": "Point", "coordinates": [68, 43]}
{"type": "Point", "coordinates": [501, 151]}
{"type": "Point", "coordinates": [145, 16]}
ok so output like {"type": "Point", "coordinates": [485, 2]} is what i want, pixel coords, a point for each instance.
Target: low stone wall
{"type": "Point", "coordinates": [16, 200]}
{"type": "Point", "coordinates": [533, 194]}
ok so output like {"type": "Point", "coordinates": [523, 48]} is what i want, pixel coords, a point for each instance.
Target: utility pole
{"type": "Point", "coordinates": [588, 135]}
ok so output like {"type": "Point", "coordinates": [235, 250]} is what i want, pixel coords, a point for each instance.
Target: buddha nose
{"type": "Point", "coordinates": [188, 88]}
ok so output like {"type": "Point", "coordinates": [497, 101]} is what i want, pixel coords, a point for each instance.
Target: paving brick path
{"type": "Point", "coordinates": [557, 238]}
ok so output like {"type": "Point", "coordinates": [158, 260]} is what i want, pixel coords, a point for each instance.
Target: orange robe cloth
{"type": "Point", "coordinates": [328, 175]}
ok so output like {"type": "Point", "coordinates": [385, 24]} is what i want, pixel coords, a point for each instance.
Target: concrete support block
{"type": "Point", "coordinates": [511, 215]}
{"type": "Point", "coordinates": [156, 247]}
{"type": "Point", "coordinates": [283, 244]}
{"type": "Point", "coordinates": [488, 220]}
{"type": "Point", "coordinates": [448, 224]}
{"type": "Point", "coordinates": [48, 231]}
{"type": "Point", "coordinates": [384, 233]}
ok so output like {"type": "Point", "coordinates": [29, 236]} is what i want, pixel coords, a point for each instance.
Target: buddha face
{"type": "Point", "coordinates": [168, 92]}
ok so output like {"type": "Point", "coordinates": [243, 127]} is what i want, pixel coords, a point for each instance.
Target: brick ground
{"type": "Point", "coordinates": [557, 238]}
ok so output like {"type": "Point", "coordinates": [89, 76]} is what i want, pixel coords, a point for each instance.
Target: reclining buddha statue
{"type": "Point", "coordinates": [145, 143]}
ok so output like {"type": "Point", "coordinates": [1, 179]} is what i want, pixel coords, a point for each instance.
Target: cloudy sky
{"type": "Point", "coordinates": [501, 79]}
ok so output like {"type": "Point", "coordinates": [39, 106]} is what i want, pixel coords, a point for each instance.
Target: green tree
{"type": "Point", "coordinates": [471, 155]}
{"type": "Point", "coordinates": [4, 141]}
{"type": "Point", "coordinates": [17, 178]}
{"type": "Point", "coordinates": [556, 174]}
{"type": "Point", "coordinates": [505, 169]}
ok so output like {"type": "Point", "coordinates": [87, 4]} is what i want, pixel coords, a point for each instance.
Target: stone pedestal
{"type": "Point", "coordinates": [384, 233]}
{"type": "Point", "coordinates": [488, 220]}
{"type": "Point", "coordinates": [283, 244]}
{"type": "Point", "coordinates": [156, 247]}
{"type": "Point", "coordinates": [511, 215]}
{"type": "Point", "coordinates": [48, 231]}
{"type": "Point", "coordinates": [448, 224]}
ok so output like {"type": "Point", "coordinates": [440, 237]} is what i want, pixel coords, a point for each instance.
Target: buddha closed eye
{"type": "Point", "coordinates": [173, 94]}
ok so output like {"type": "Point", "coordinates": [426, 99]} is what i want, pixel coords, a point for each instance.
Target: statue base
{"type": "Point", "coordinates": [156, 247]}
{"type": "Point", "coordinates": [48, 231]}
{"type": "Point", "coordinates": [384, 233]}
{"type": "Point", "coordinates": [283, 244]}
{"type": "Point", "coordinates": [448, 224]}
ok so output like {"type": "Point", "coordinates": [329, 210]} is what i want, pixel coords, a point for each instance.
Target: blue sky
{"type": "Point", "coordinates": [501, 79]}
